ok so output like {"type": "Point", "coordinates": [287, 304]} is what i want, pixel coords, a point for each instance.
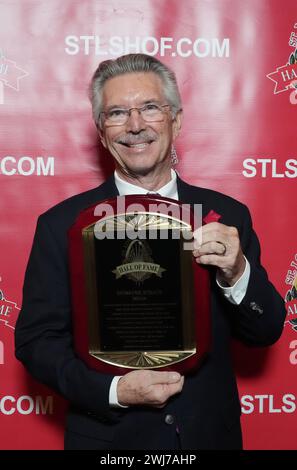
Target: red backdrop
{"type": "Point", "coordinates": [235, 63]}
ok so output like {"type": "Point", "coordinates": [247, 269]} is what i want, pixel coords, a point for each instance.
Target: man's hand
{"type": "Point", "coordinates": [147, 387]}
{"type": "Point", "coordinates": [220, 246]}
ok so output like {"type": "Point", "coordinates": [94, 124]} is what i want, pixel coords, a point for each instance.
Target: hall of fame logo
{"type": "Point", "coordinates": [138, 264]}
{"type": "Point", "coordinates": [9, 311]}
{"type": "Point", "coordinates": [285, 76]}
{"type": "Point", "coordinates": [10, 75]}
{"type": "Point", "coordinates": [291, 295]}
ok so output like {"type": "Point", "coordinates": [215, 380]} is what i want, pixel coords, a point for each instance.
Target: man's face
{"type": "Point", "coordinates": [138, 147]}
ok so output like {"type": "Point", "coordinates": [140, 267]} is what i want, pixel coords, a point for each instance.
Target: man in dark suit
{"type": "Point", "coordinates": [137, 110]}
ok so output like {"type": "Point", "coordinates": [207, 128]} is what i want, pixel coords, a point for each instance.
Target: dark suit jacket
{"type": "Point", "coordinates": [207, 412]}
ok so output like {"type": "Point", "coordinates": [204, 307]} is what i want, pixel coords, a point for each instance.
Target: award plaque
{"type": "Point", "coordinates": [139, 299]}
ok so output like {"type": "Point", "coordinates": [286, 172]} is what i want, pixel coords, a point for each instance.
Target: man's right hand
{"type": "Point", "coordinates": [148, 387]}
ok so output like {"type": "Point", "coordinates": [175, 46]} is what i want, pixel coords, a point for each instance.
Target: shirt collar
{"type": "Point", "coordinates": [168, 190]}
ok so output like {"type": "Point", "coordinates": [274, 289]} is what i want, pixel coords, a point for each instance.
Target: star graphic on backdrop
{"type": "Point", "coordinates": [11, 73]}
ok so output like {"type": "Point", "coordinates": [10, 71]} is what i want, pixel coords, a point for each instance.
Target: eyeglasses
{"type": "Point", "coordinates": [150, 112]}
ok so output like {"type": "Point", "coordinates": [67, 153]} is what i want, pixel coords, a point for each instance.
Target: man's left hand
{"type": "Point", "coordinates": [219, 245]}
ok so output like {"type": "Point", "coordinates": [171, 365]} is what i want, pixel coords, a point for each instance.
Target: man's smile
{"type": "Point", "coordinates": [136, 145]}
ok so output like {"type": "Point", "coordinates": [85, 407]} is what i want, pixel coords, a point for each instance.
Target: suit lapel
{"type": "Point", "coordinates": [108, 189]}
{"type": "Point", "coordinates": [192, 195]}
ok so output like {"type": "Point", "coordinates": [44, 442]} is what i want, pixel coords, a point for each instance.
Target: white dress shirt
{"type": "Point", "coordinates": [125, 188]}
{"type": "Point", "coordinates": [234, 294]}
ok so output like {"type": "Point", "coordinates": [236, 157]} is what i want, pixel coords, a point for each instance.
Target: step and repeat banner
{"type": "Point", "coordinates": [236, 64]}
